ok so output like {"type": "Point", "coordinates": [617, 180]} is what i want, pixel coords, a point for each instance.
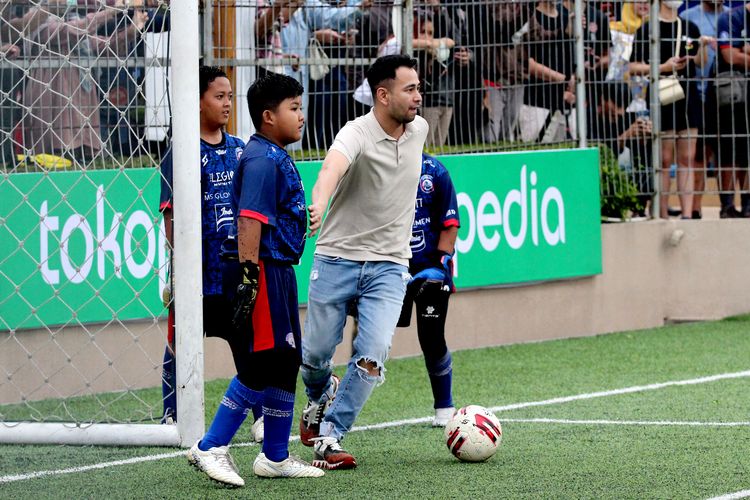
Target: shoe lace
{"type": "Point", "coordinates": [294, 459]}
{"type": "Point", "coordinates": [328, 443]}
{"type": "Point", "coordinates": [315, 412]}
{"type": "Point", "coordinates": [225, 460]}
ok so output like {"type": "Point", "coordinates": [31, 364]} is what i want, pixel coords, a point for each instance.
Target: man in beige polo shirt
{"type": "Point", "coordinates": [362, 254]}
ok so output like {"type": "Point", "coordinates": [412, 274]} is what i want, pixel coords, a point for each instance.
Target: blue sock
{"type": "Point", "coordinates": [278, 409]}
{"type": "Point", "coordinates": [441, 379]}
{"type": "Point", "coordinates": [232, 411]}
{"type": "Point", "coordinates": [168, 388]}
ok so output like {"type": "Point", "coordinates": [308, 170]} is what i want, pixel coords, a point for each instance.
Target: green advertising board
{"type": "Point", "coordinates": [90, 247]}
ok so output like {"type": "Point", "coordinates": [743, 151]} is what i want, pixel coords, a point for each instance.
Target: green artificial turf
{"type": "Point", "coordinates": [536, 459]}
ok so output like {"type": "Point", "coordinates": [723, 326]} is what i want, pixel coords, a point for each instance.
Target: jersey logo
{"type": "Point", "coordinates": [204, 160]}
{"type": "Point", "coordinates": [290, 340]}
{"type": "Point", "coordinates": [417, 242]}
{"type": "Point", "coordinates": [425, 184]}
{"type": "Point", "coordinates": [221, 152]}
{"type": "Point", "coordinates": [238, 151]}
{"type": "Point", "coordinates": [224, 214]}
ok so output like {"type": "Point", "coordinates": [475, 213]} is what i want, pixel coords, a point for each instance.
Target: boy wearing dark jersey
{"type": "Point", "coordinates": [433, 240]}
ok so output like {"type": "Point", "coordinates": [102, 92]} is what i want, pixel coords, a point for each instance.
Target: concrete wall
{"type": "Point", "coordinates": [653, 272]}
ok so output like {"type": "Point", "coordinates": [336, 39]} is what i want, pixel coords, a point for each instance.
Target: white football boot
{"type": "Point", "coordinates": [443, 416]}
{"type": "Point", "coordinates": [291, 467]}
{"type": "Point", "coordinates": [217, 463]}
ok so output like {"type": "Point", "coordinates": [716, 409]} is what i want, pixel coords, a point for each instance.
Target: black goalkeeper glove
{"type": "Point", "coordinates": [247, 291]}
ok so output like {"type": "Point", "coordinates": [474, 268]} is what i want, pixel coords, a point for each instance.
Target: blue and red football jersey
{"type": "Point", "coordinates": [218, 165]}
{"type": "Point", "coordinates": [436, 209]}
{"type": "Point", "coordinates": [268, 188]}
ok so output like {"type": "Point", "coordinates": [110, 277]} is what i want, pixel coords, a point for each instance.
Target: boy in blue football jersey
{"type": "Point", "coordinates": [220, 153]}
{"type": "Point", "coordinates": [433, 241]}
{"type": "Point", "coordinates": [266, 240]}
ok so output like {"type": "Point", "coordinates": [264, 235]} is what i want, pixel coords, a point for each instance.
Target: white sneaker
{"type": "Point", "coordinates": [291, 467]}
{"type": "Point", "coordinates": [257, 430]}
{"type": "Point", "coordinates": [217, 463]}
{"type": "Point", "coordinates": [443, 416]}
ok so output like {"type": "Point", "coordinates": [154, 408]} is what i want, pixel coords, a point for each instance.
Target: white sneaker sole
{"type": "Point", "coordinates": [263, 470]}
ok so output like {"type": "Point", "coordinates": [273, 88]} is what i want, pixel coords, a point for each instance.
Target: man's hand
{"type": "Point", "coordinates": [11, 51]}
{"type": "Point", "coordinates": [316, 217]}
{"type": "Point", "coordinates": [247, 292]}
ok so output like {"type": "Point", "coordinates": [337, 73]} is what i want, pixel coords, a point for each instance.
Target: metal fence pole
{"type": "Point", "coordinates": [655, 108]}
{"type": "Point", "coordinates": [580, 75]}
{"type": "Point", "coordinates": [409, 28]}
{"type": "Point", "coordinates": [208, 33]}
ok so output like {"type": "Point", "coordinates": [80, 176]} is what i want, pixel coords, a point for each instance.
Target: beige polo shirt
{"type": "Point", "coordinates": [372, 209]}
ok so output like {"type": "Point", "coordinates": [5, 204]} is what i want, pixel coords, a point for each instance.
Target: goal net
{"type": "Point", "coordinates": [86, 107]}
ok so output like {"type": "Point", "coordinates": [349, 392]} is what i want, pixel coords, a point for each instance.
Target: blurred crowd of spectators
{"type": "Point", "coordinates": [501, 73]}
{"type": "Point", "coordinates": [63, 92]}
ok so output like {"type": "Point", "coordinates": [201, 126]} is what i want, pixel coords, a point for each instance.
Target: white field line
{"type": "Point", "coordinates": [398, 423]}
{"type": "Point", "coordinates": [733, 496]}
{"type": "Point", "coordinates": [665, 423]}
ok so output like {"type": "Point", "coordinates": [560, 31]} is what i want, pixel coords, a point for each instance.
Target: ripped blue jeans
{"type": "Point", "coordinates": [377, 290]}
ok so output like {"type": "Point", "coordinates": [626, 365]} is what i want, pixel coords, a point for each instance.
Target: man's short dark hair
{"type": "Point", "coordinates": [267, 92]}
{"type": "Point", "coordinates": [384, 68]}
{"type": "Point", "coordinates": [206, 75]}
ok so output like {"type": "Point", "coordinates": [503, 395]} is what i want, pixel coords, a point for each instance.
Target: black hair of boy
{"type": "Point", "coordinates": [268, 92]}
{"type": "Point", "coordinates": [384, 68]}
{"type": "Point", "coordinates": [206, 75]}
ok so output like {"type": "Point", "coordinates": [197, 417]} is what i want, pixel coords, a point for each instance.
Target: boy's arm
{"type": "Point", "coordinates": [248, 239]}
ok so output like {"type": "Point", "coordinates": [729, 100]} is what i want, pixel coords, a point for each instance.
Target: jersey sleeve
{"type": "Point", "coordinates": [258, 190]}
{"type": "Point", "coordinates": [729, 33]}
{"type": "Point", "coordinates": [165, 200]}
{"type": "Point", "coordinates": [446, 206]}
{"type": "Point", "coordinates": [349, 142]}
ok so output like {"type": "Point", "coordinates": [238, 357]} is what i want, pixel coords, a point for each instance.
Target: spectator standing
{"type": "Point", "coordinates": [15, 26]}
{"type": "Point", "coordinates": [311, 16]}
{"type": "Point", "coordinates": [550, 84]}
{"type": "Point", "coordinates": [434, 53]}
{"type": "Point", "coordinates": [706, 16]}
{"type": "Point", "coordinates": [734, 138]}
{"type": "Point", "coordinates": [64, 102]}
{"type": "Point", "coordinates": [496, 31]}
{"type": "Point", "coordinates": [680, 119]}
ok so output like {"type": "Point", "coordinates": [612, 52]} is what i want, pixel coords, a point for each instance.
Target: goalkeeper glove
{"type": "Point", "coordinates": [442, 271]}
{"type": "Point", "coordinates": [247, 291]}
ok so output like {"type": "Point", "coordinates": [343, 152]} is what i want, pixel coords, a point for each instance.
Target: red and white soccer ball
{"type": "Point", "coordinates": [473, 434]}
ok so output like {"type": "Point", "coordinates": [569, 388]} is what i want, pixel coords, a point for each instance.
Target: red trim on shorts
{"type": "Point", "coordinates": [451, 223]}
{"type": "Point", "coordinates": [165, 205]}
{"type": "Point", "coordinates": [254, 215]}
{"type": "Point", "coordinates": [170, 326]}
{"type": "Point", "coordinates": [262, 323]}
{"type": "Point", "coordinates": [725, 45]}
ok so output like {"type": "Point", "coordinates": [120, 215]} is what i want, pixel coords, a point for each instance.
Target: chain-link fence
{"type": "Point", "coordinates": [86, 111]}
{"type": "Point", "coordinates": [84, 254]}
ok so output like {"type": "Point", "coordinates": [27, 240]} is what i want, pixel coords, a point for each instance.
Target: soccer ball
{"type": "Point", "coordinates": [473, 434]}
